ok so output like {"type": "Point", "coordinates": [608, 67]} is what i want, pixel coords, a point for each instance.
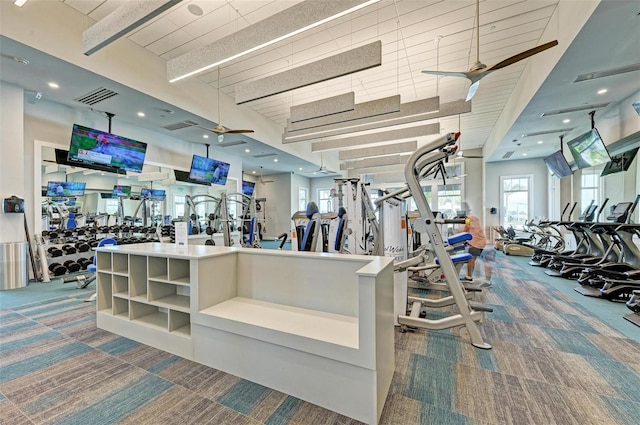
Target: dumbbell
{"type": "Point", "coordinates": [72, 266]}
{"type": "Point", "coordinates": [53, 235]}
{"type": "Point", "coordinates": [54, 251]}
{"type": "Point", "coordinates": [69, 249]}
{"type": "Point", "coordinates": [57, 269]}
{"type": "Point", "coordinates": [68, 233]}
{"type": "Point", "coordinates": [84, 262]}
{"type": "Point", "coordinates": [45, 233]}
{"type": "Point", "coordinates": [93, 230]}
{"type": "Point", "coordinates": [209, 242]}
{"type": "Point", "coordinates": [94, 243]}
{"type": "Point", "coordinates": [82, 247]}
{"type": "Point", "coordinates": [81, 232]}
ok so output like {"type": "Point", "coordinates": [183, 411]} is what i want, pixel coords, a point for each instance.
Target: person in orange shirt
{"type": "Point", "coordinates": [476, 245]}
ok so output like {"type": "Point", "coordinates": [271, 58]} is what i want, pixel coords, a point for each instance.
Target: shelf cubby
{"type": "Point", "coordinates": [120, 286]}
{"type": "Point", "coordinates": [180, 322]}
{"type": "Point", "coordinates": [150, 315]}
{"type": "Point", "coordinates": [103, 287]}
{"type": "Point", "coordinates": [168, 295]}
{"type": "Point", "coordinates": [121, 308]}
{"type": "Point", "coordinates": [120, 263]}
{"type": "Point", "coordinates": [104, 261]}
{"type": "Point", "coordinates": [179, 271]}
{"type": "Point", "coordinates": [138, 276]}
{"type": "Point", "coordinates": [158, 268]}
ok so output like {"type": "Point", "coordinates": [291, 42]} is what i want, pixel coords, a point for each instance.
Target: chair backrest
{"type": "Point", "coordinates": [71, 221]}
{"type": "Point", "coordinates": [104, 242]}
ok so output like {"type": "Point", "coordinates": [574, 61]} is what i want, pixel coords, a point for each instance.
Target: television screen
{"type": "Point", "coordinates": [588, 150]}
{"type": "Point", "coordinates": [66, 189]}
{"type": "Point", "coordinates": [558, 165]}
{"type": "Point", "coordinates": [183, 176]}
{"type": "Point", "coordinates": [120, 190]}
{"type": "Point", "coordinates": [636, 106]}
{"type": "Point", "coordinates": [89, 146]}
{"type": "Point", "coordinates": [155, 194]}
{"type": "Point", "coordinates": [620, 162]}
{"type": "Point", "coordinates": [248, 188]}
{"type": "Point", "coordinates": [207, 170]}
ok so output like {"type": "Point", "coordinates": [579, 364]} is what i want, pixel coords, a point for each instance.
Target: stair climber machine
{"type": "Point", "coordinates": [553, 229]}
{"type": "Point", "coordinates": [429, 161]}
{"type": "Point", "coordinates": [583, 247]}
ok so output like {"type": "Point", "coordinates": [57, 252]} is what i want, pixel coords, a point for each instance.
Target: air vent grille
{"type": "Point", "coordinates": [508, 155]}
{"type": "Point", "coordinates": [607, 72]}
{"type": "Point", "coordinates": [542, 133]}
{"type": "Point", "coordinates": [96, 96]}
{"type": "Point", "coordinates": [231, 143]}
{"type": "Point", "coordinates": [264, 155]}
{"type": "Point", "coordinates": [575, 109]}
{"type": "Point", "coordinates": [179, 125]}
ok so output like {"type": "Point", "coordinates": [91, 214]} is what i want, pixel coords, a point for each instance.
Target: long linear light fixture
{"type": "Point", "coordinates": [383, 136]}
{"type": "Point", "coordinates": [292, 21]}
{"type": "Point", "coordinates": [121, 21]}
{"type": "Point", "coordinates": [402, 147]}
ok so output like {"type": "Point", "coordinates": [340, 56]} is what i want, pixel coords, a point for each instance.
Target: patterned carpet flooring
{"type": "Point", "coordinates": [552, 362]}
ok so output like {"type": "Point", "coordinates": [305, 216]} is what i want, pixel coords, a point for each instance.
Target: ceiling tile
{"type": "Point", "coordinates": [84, 6]}
{"type": "Point", "coordinates": [169, 42]}
{"type": "Point", "coordinates": [153, 32]}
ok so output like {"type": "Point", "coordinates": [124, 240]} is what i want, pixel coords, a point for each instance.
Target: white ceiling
{"type": "Point", "coordinates": [409, 31]}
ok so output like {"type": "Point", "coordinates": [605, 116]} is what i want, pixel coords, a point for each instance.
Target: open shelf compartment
{"type": "Point", "coordinates": [104, 261]}
{"type": "Point", "coordinates": [103, 287]}
{"type": "Point", "coordinates": [179, 271]}
{"type": "Point", "coordinates": [120, 286]}
{"type": "Point", "coordinates": [158, 268]}
{"type": "Point", "coordinates": [120, 263]}
{"type": "Point", "coordinates": [138, 276]}
{"type": "Point", "coordinates": [180, 323]}
{"type": "Point", "coordinates": [168, 295]}
{"type": "Point", "coordinates": [150, 315]}
{"type": "Point", "coordinates": [121, 308]}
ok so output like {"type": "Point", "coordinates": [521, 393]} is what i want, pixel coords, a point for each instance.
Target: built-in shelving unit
{"type": "Point", "coordinates": [326, 319]}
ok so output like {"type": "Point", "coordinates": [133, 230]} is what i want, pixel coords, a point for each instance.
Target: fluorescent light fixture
{"type": "Point", "coordinates": [123, 20]}
{"type": "Point", "coordinates": [53, 85]}
{"type": "Point", "coordinates": [20, 3]}
{"type": "Point", "coordinates": [292, 21]}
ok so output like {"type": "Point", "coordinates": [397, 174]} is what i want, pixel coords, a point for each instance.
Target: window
{"type": "Point", "coordinates": [324, 200]}
{"type": "Point", "coordinates": [516, 200]}
{"type": "Point", "coordinates": [111, 206]}
{"type": "Point", "coordinates": [302, 199]}
{"type": "Point", "coordinates": [178, 205]}
{"type": "Point", "coordinates": [589, 188]}
{"type": "Point", "coordinates": [449, 199]}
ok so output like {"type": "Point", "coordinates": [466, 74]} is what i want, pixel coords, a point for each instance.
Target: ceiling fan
{"type": "Point", "coordinates": [480, 70]}
{"type": "Point", "coordinates": [322, 169]}
{"type": "Point", "coordinates": [218, 129]}
{"type": "Point", "coordinates": [261, 179]}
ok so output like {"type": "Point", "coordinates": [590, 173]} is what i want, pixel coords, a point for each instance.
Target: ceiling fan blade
{"type": "Point", "coordinates": [448, 73]}
{"type": "Point", "coordinates": [523, 55]}
{"type": "Point", "coordinates": [203, 127]}
{"type": "Point", "coordinates": [238, 131]}
{"type": "Point", "coordinates": [473, 88]}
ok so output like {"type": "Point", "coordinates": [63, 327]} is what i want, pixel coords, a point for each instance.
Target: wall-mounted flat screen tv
{"type": "Point", "coordinates": [620, 162]}
{"type": "Point", "coordinates": [66, 189]}
{"type": "Point", "coordinates": [120, 190]}
{"type": "Point", "coordinates": [89, 146]}
{"type": "Point", "coordinates": [588, 149]}
{"type": "Point", "coordinates": [69, 202]}
{"type": "Point", "coordinates": [248, 188]}
{"type": "Point", "coordinates": [154, 194]}
{"type": "Point", "coordinates": [207, 170]}
{"type": "Point", "coordinates": [558, 165]}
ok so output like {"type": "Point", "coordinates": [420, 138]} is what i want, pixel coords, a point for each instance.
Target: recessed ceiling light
{"type": "Point", "coordinates": [205, 136]}
{"type": "Point", "coordinates": [602, 91]}
{"type": "Point", "coordinates": [300, 169]}
{"type": "Point", "coordinates": [22, 61]}
{"type": "Point", "coordinates": [19, 3]}
{"type": "Point", "coordinates": [275, 159]}
{"type": "Point", "coordinates": [524, 154]}
{"type": "Point", "coordinates": [540, 142]}
{"type": "Point", "coordinates": [253, 172]}
{"type": "Point", "coordinates": [141, 114]}
{"type": "Point", "coordinates": [53, 85]}
{"type": "Point", "coordinates": [314, 173]}
{"type": "Point", "coordinates": [566, 120]}
{"type": "Point", "coordinates": [247, 150]}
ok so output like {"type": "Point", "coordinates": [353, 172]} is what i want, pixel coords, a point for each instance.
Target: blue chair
{"type": "Point", "coordinates": [71, 221]}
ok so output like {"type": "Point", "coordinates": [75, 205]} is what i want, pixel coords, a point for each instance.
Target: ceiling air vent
{"type": "Point", "coordinates": [607, 72]}
{"type": "Point", "coordinates": [96, 96]}
{"type": "Point", "coordinates": [179, 125]}
{"type": "Point", "coordinates": [508, 155]}
{"type": "Point", "coordinates": [264, 155]}
{"type": "Point", "coordinates": [542, 133]}
{"type": "Point", "coordinates": [575, 109]}
{"type": "Point", "coordinates": [231, 143]}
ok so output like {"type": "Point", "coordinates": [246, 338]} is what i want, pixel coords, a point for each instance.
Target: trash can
{"type": "Point", "coordinates": [13, 265]}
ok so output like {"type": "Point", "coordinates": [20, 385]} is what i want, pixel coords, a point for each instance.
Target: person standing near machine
{"type": "Point", "coordinates": [476, 245]}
